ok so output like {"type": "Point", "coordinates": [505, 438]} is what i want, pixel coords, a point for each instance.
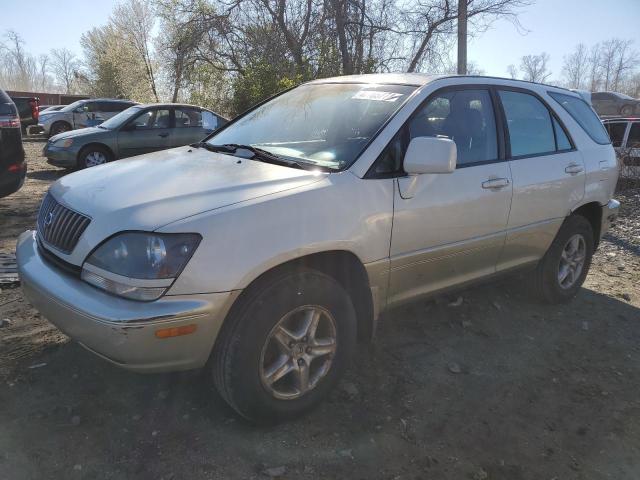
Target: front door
{"type": "Point", "coordinates": [548, 177]}
{"type": "Point", "coordinates": [189, 127]}
{"type": "Point", "coordinates": [450, 228]}
{"type": "Point", "coordinates": [148, 132]}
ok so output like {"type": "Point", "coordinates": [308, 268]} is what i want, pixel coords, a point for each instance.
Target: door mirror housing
{"type": "Point", "coordinates": [430, 155]}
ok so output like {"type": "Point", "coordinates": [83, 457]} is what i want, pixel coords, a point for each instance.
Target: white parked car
{"type": "Point", "coordinates": [264, 252]}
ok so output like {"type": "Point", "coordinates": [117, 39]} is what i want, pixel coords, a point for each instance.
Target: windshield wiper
{"type": "Point", "coordinates": [258, 153]}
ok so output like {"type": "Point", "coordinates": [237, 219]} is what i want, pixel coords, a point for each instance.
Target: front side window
{"type": "Point", "coordinates": [464, 116]}
{"type": "Point", "coordinates": [188, 117]}
{"type": "Point", "coordinates": [616, 132]}
{"type": "Point", "coordinates": [152, 119]}
{"type": "Point", "coordinates": [528, 123]}
{"type": "Point", "coordinates": [326, 124]}
{"type": "Point", "coordinates": [584, 115]}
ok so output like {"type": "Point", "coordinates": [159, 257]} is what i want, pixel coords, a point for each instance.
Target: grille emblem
{"type": "Point", "coordinates": [49, 220]}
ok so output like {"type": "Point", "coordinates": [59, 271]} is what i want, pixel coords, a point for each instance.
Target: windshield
{"type": "Point", "coordinates": [322, 124]}
{"type": "Point", "coordinates": [119, 119]}
{"type": "Point", "coordinates": [72, 106]}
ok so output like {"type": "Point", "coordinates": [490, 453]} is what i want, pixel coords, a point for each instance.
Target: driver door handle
{"type": "Point", "coordinates": [495, 183]}
{"type": "Point", "coordinates": [163, 135]}
{"type": "Point", "coordinates": [573, 169]}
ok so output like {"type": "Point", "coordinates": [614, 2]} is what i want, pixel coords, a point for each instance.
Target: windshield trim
{"type": "Point", "coordinates": [417, 88]}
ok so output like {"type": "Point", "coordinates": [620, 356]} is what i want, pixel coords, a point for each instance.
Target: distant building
{"type": "Point", "coordinates": [49, 98]}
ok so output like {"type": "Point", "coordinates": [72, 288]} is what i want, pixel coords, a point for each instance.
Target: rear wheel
{"type": "Point", "coordinates": [285, 346]}
{"type": "Point", "coordinates": [59, 127]}
{"type": "Point", "coordinates": [93, 155]}
{"type": "Point", "coordinates": [563, 269]}
{"type": "Point", "coordinates": [626, 110]}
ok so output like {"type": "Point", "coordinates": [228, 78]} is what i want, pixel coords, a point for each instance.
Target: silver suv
{"type": "Point", "coordinates": [80, 114]}
{"type": "Point", "coordinates": [266, 251]}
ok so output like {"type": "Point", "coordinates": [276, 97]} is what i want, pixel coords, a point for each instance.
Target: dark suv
{"type": "Point", "coordinates": [28, 109]}
{"type": "Point", "coordinates": [13, 168]}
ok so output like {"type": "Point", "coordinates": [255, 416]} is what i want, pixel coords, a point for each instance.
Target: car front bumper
{"type": "Point", "coordinates": [122, 331]}
{"type": "Point", "coordinates": [60, 156]}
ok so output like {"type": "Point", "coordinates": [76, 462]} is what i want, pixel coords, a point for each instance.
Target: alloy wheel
{"type": "Point", "coordinates": [572, 261]}
{"type": "Point", "coordinates": [94, 158]}
{"type": "Point", "coordinates": [298, 352]}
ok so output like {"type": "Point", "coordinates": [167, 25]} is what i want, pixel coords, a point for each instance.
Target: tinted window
{"type": "Point", "coordinates": [209, 120]}
{"type": "Point", "coordinates": [529, 124]}
{"type": "Point", "coordinates": [584, 115]}
{"type": "Point", "coordinates": [466, 117]}
{"type": "Point", "coordinates": [616, 132]}
{"type": "Point", "coordinates": [562, 140]}
{"type": "Point", "coordinates": [152, 119]}
{"type": "Point", "coordinates": [634, 136]}
{"type": "Point", "coordinates": [188, 117]}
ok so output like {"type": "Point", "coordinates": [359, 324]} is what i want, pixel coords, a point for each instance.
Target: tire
{"type": "Point", "coordinates": [94, 155]}
{"type": "Point", "coordinates": [626, 110]}
{"type": "Point", "coordinates": [548, 283]}
{"type": "Point", "coordinates": [59, 127]}
{"type": "Point", "coordinates": [245, 351]}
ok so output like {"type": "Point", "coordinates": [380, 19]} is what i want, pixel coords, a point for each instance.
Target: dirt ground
{"type": "Point", "coordinates": [498, 387]}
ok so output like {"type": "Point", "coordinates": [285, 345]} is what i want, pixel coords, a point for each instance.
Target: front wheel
{"type": "Point", "coordinates": [93, 155]}
{"type": "Point", "coordinates": [285, 346]}
{"type": "Point", "coordinates": [59, 127]}
{"type": "Point", "coordinates": [626, 110]}
{"type": "Point", "coordinates": [563, 269]}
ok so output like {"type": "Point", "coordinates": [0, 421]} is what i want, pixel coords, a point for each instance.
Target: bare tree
{"type": "Point", "coordinates": [512, 71]}
{"type": "Point", "coordinates": [134, 20]}
{"type": "Point", "coordinates": [576, 66]}
{"type": "Point", "coordinates": [595, 67]}
{"type": "Point", "coordinates": [64, 66]}
{"type": "Point", "coordinates": [534, 67]}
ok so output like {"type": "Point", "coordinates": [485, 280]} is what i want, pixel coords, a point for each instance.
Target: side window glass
{"type": "Point", "coordinates": [584, 115]}
{"type": "Point", "coordinates": [209, 121]}
{"type": "Point", "coordinates": [188, 117]}
{"type": "Point", "coordinates": [616, 132]}
{"type": "Point", "coordinates": [562, 140]}
{"type": "Point", "coordinates": [634, 136]}
{"type": "Point", "coordinates": [152, 119]}
{"type": "Point", "coordinates": [528, 123]}
{"type": "Point", "coordinates": [466, 117]}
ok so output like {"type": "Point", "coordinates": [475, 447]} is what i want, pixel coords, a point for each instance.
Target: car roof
{"type": "Point", "coordinates": [107, 100]}
{"type": "Point", "coordinates": [421, 79]}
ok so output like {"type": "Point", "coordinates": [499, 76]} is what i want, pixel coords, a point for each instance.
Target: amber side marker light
{"type": "Point", "coordinates": [176, 331]}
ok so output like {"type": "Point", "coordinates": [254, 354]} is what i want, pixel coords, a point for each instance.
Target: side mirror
{"type": "Point", "coordinates": [430, 155]}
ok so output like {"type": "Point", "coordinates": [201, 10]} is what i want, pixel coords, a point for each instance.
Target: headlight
{"type": "Point", "coordinates": [63, 142]}
{"type": "Point", "coordinates": [139, 265]}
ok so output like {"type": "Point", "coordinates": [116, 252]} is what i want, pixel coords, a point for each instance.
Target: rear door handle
{"type": "Point", "coordinates": [163, 135]}
{"type": "Point", "coordinates": [573, 168]}
{"type": "Point", "coordinates": [495, 183]}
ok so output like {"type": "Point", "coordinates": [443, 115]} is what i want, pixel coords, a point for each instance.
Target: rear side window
{"type": "Point", "coordinates": [7, 108]}
{"type": "Point", "coordinates": [634, 136]}
{"type": "Point", "coordinates": [464, 116]}
{"type": "Point", "coordinates": [584, 115]}
{"type": "Point", "coordinates": [529, 124]}
{"type": "Point", "coordinates": [188, 117]}
{"type": "Point", "coordinates": [209, 121]}
{"type": "Point", "coordinates": [616, 132]}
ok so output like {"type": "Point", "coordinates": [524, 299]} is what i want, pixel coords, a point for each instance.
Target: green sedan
{"type": "Point", "coordinates": [134, 131]}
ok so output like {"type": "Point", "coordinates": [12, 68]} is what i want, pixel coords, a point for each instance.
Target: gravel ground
{"type": "Point", "coordinates": [498, 387]}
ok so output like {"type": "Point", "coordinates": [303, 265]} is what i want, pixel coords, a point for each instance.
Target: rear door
{"type": "Point", "coordinates": [148, 132]}
{"type": "Point", "coordinates": [548, 175]}
{"type": "Point", "coordinates": [189, 126]}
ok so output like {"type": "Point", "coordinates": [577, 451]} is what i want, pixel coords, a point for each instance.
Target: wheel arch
{"type": "Point", "coordinates": [62, 120]}
{"type": "Point", "coordinates": [592, 211]}
{"type": "Point", "coordinates": [341, 265]}
{"type": "Point", "coordinates": [95, 144]}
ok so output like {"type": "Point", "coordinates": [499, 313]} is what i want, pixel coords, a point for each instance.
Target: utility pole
{"type": "Point", "coordinates": [462, 37]}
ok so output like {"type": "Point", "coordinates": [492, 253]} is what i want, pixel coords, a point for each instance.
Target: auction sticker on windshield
{"type": "Point", "coordinates": [377, 96]}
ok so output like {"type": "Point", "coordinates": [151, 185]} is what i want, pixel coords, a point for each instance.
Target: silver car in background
{"type": "Point", "coordinates": [80, 114]}
{"type": "Point", "coordinates": [264, 252]}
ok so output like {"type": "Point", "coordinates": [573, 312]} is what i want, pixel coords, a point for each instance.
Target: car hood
{"type": "Point", "coordinates": [81, 132]}
{"type": "Point", "coordinates": [149, 191]}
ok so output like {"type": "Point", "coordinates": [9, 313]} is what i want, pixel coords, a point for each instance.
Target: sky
{"type": "Point", "coordinates": [552, 26]}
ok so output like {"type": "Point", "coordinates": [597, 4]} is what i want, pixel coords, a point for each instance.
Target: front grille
{"type": "Point", "coordinates": [59, 226]}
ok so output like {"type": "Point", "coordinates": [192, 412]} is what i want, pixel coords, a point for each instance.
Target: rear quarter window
{"type": "Point", "coordinates": [616, 132]}
{"type": "Point", "coordinates": [584, 115]}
